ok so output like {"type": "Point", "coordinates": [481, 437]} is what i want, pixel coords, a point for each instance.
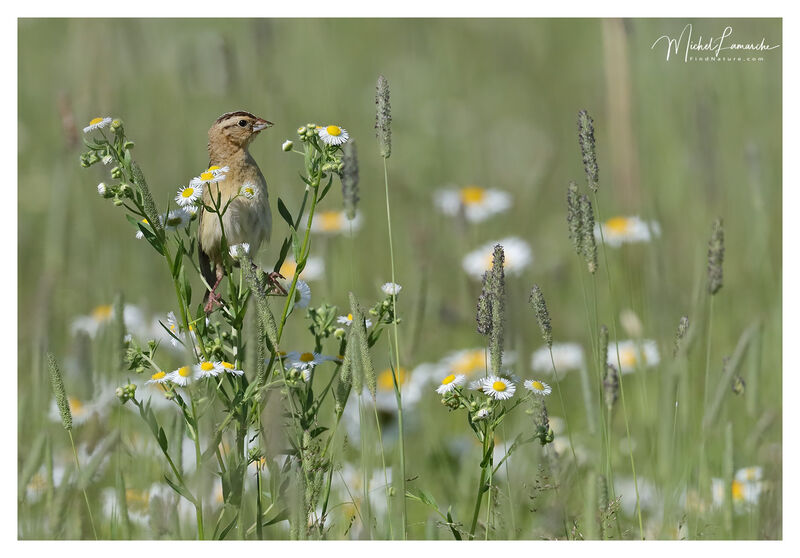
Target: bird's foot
{"type": "Point", "coordinates": [213, 299]}
{"type": "Point", "coordinates": [274, 284]}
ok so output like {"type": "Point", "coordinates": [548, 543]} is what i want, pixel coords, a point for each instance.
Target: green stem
{"type": "Point", "coordinates": [198, 506]}
{"type": "Point", "coordinates": [85, 496]}
{"type": "Point", "coordinates": [616, 347]}
{"type": "Point", "coordinates": [481, 483]}
{"type": "Point", "coordinates": [397, 356]}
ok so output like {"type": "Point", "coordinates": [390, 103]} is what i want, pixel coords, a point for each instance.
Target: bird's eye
{"type": "Point", "coordinates": [243, 123]}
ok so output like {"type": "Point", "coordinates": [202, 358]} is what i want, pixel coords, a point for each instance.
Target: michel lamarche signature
{"type": "Point", "coordinates": [712, 44]}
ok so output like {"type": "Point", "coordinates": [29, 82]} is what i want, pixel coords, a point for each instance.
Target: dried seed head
{"type": "Point", "coordinates": [484, 315]}
{"type": "Point", "coordinates": [383, 118]}
{"type": "Point", "coordinates": [57, 383]}
{"type": "Point", "coordinates": [498, 306]}
{"type": "Point", "coordinates": [350, 179]}
{"type": "Point", "coordinates": [586, 140]}
{"type": "Point", "coordinates": [602, 492]}
{"type": "Point", "coordinates": [541, 424]}
{"type": "Point", "coordinates": [542, 315]}
{"type": "Point", "coordinates": [588, 244]}
{"type": "Point", "coordinates": [683, 327]}
{"type": "Point", "coordinates": [611, 386]}
{"type": "Point", "coordinates": [603, 344]}
{"type": "Point", "coordinates": [574, 216]}
{"type": "Point", "coordinates": [716, 253]}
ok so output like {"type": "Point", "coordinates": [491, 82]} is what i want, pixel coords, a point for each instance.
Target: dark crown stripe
{"type": "Point", "coordinates": [235, 113]}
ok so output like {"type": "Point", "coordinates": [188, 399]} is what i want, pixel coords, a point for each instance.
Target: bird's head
{"type": "Point", "coordinates": [236, 129]}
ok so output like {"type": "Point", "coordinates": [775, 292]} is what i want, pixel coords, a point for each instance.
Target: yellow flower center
{"type": "Point", "coordinates": [537, 385]}
{"type": "Point", "coordinates": [627, 358]}
{"type": "Point", "coordinates": [184, 371]}
{"type": "Point", "coordinates": [102, 313]}
{"type": "Point", "coordinates": [449, 380]}
{"type": "Point", "coordinates": [499, 386]}
{"type": "Point", "coordinates": [334, 130]}
{"type": "Point", "coordinates": [737, 491]}
{"type": "Point", "coordinates": [306, 357]}
{"type": "Point", "coordinates": [288, 269]}
{"type": "Point", "coordinates": [207, 176]}
{"type": "Point", "coordinates": [187, 192]}
{"type": "Point", "coordinates": [138, 500]}
{"type": "Point", "coordinates": [158, 375]}
{"type": "Point", "coordinates": [349, 317]}
{"type": "Point", "coordinates": [471, 195]}
{"type": "Point", "coordinates": [330, 221]}
{"type": "Point", "coordinates": [249, 190]}
{"type": "Point", "coordinates": [227, 365]}
{"type": "Point", "coordinates": [213, 168]}
{"type": "Point", "coordinates": [470, 362]}
{"type": "Point", "coordinates": [617, 224]}
{"type": "Point", "coordinates": [94, 121]}
{"type": "Point", "coordinates": [75, 406]}
{"type": "Point", "coordinates": [207, 366]}
{"type": "Point", "coordinates": [385, 382]}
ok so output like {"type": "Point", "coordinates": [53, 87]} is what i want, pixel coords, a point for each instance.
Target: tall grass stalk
{"type": "Point", "coordinates": [396, 368]}
{"type": "Point", "coordinates": [83, 488]}
{"type": "Point", "coordinates": [616, 349]}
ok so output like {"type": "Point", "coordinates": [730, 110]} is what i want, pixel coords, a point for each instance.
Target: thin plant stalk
{"type": "Point", "coordinates": [398, 396]}
{"type": "Point", "coordinates": [616, 349]}
{"type": "Point", "coordinates": [83, 489]}
{"type": "Point", "coordinates": [481, 483]}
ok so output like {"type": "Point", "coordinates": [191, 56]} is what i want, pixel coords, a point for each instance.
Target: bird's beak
{"type": "Point", "coordinates": [261, 124]}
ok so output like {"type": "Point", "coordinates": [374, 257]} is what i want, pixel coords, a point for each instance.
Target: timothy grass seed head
{"type": "Point", "coordinates": [57, 383]}
{"type": "Point", "coordinates": [350, 179]}
{"type": "Point", "coordinates": [574, 216]}
{"type": "Point", "coordinates": [383, 117]}
{"type": "Point", "coordinates": [542, 315]}
{"type": "Point", "coordinates": [683, 327]}
{"type": "Point", "coordinates": [588, 244]}
{"type": "Point", "coordinates": [586, 140]}
{"type": "Point", "coordinates": [716, 253]}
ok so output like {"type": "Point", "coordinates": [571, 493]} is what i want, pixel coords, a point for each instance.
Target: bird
{"type": "Point", "coordinates": [248, 218]}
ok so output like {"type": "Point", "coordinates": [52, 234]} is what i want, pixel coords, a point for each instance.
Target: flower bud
{"type": "Point", "coordinates": [101, 189]}
{"type": "Point", "coordinates": [107, 159]}
{"type": "Point", "coordinates": [129, 145]}
{"type": "Point", "coordinates": [301, 131]}
{"type": "Point", "coordinates": [338, 333]}
{"type": "Point", "coordinates": [116, 172]}
{"type": "Point", "coordinates": [287, 145]}
{"type": "Point", "coordinates": [116, 125]}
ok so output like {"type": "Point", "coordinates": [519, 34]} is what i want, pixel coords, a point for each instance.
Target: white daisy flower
{"type": "Point", "coordinates": [208, 177]}
{"type": "Point", "coordinates": [473, 202]}
{"type": "Point", "coordinates": [412, 388]}
{"type": "Point", "coordinates": [537, 387]}
{"type": "Point", "coordinates": [302, 295]}
{"type": "Point", "coordinates": [249, 190]}
{"type": "Point", "coordinates": [80, 410]}
{"type": "Point", "coordinates": [182, 376]}
{"type": "Point", "coordinates": [172, 324]}
{"type": "Point", "coordinates": [518, 256]}
{"type": "Point", "coordinates": [229, 368]}
{"type": "Point", "coordinates": [482, 414]}
{"type": "Point", "coordinates": [177, 219]}
{"type": "Point", "coordinates": [103, 314]}
{"type": "Point", "coordinates": [498, 387]}
{"type": "Point", "coordinates": [188, 195]}
{"type": "Point", "coordinates": [567, 356]}
{"type": "Point", "coordinates": [107, 159]}
{"type": "Point", "coordinates": [450, 383]}
{"type": "Point", "coordinates": [302, 361]}
{"type": "Point", "coordinates": [749, 474]}
{"type": "Point", "coordinates": [97, 123]}
{"type": "Point", "coordinates": [287, 145]}
{"type": "Point", "coordinates": [139, 233]}
{"type": "Point", "coordinates": [314, 269]}
{"type": "Point", "coordinates": [101, 189]}
{"type": "Point", "coordinates": [333, 135]}
{"type": "Point", "coordinates": [215, 169]}
{"type": "Point", "coordinates": [620, 230]}
{"type": "Point", "coordinates": [391, 288]}
{"type": "Point", "coordinates": [158, 378]}
{"type": "Point", "coordinates": [476, 385]}
{"type": "Point", "coordinates": [347, 320]}
{"type": "Point", "coordinates": [333, 222]}
{"type": "Point", "coordinates": [207, 369]}
{"type": "Point", "coordinates": [633, 354]}
{"type": "Point", "coordinates": [234, 250]}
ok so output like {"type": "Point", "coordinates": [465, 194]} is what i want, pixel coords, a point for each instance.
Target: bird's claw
{"type": "Point", "coordinates": [272, 281]}
{"type": "Point", "coordinates": [213, 299]}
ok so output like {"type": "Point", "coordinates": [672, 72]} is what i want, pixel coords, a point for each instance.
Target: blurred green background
{"type": "Point", "coordinates": [487, 102]}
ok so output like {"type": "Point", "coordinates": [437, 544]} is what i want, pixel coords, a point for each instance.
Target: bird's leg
{"type": "Point", "coordinates": [272, 281]}
{"type": "Point", "coordinates": [213, 297]}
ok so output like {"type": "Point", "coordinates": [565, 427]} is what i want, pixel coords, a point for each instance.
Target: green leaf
{"type": "Point", "coordinates": [176, 265]}
{"type": "Point", "coordinates": [180, 490]}
{"type": "Point", "coordinates": [450, 523]}
{"type": "Point", "coordinates": [281, 515]}
{"type": "Point", "coordinates": [162, 439]}
{"type": "Point", "coordinates": [296, 248]}
{"type": "Point", "coordinates": [284, 211]}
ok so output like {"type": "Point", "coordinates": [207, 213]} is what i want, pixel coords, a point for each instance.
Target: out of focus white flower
{"type": "Point", "coordinates": [517, 252]}
{"type": "Point", "coordinates": [473, 202]}
{"type": "Point", "coordinates": [620, 230]}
